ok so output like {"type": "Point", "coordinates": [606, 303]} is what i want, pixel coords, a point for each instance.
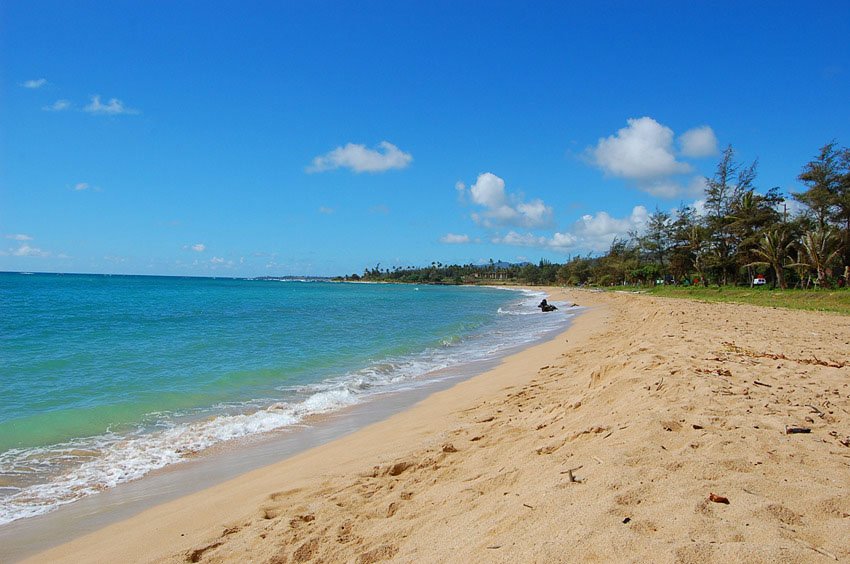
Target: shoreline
{"type": "Point", "coordinates": [224, 462]}
{"type": "Point", "coordinates": [619, 439]}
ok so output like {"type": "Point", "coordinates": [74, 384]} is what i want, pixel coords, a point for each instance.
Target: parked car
{"type": "Point", "coordinates": [759, 280]}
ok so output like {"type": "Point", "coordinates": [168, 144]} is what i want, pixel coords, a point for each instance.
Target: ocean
{"type": "Point", "coordinates": [104, 379]}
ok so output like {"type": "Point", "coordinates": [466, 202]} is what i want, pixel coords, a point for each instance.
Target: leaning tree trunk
{"type": "Point", "coordinates": [779, 276]}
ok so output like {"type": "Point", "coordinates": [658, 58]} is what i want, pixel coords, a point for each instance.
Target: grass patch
{"type": "Point", "coordinates": [815, 300]}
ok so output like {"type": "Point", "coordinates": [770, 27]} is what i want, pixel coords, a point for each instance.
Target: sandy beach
{"type": "Point", "coordinates": [652, 430]}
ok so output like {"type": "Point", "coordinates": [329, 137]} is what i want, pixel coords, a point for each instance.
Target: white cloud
{"type": "Point", "coordinates": [80, 186]}
{"type": "Point", "coordinates": [792, 207]}
{"type": "Point", "coordinates": [361, 159]}
{"type": "Point", "coordinates": [597, 232]}
{"type": "Point", "coordinates": [26, 251]}
{"type": "Point", "coordinates": [199, 247]}
{"type": "Point", "coordinates": [18, 237]}
{"type": "Point", "coordinates": [642, 150]}
{"type": "Point", "coordinates": [521, 240]}
{"type": "Point", "coordinates": [112, 108]}
{"type": "Point", "coordinates": [217, 260]}
{"type": "Point", "coordinates": [57, 106]}
{"type": "Point", "coordinates": [488, 190]}
{"type": "Point", "coordinates": [35, 83]}
{"type": "Point", "coordinates": [326, 210]}
{"type": "Point", "coordinates": [453, 239]}
{"type": "Point", "coordinates": [502, 208]}
{"type": "Point", "coordinates": [698, 142]}
{"type": "Point", "coordinates": [592, 232]}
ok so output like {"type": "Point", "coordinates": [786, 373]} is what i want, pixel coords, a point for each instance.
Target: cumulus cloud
{"type": "Point", "coordinates": [593, 232]}
{"type": "Point", "coordinates": [18, 237]}
{"type": "Point", "coordinates": [57, 106]}
{"type": "Point", "coordinates": [488, 190]}
{"type": "Point", "coordinates": [199, 247]}
{"type": "Point", "coordinates": [698, 142]}
{"type": "Point", "coordinates": [113, 107]}
{"type": "Point", "coordinates": [34, 84]}
{"type": "Point", "coordinates": [642, 150]}
{"type": "Point", "coordinates": [453, 239]}
{"type": "Point", "coordinates": [521, 239]}
{"type": "Point", "coordinates": [359, 158]}
{"type": "Point", "coordinates": [502, 208]}
{"type": "Point", "coordinates": [217, 260]}
{"type": "Point", "coordinates": [596, 232]}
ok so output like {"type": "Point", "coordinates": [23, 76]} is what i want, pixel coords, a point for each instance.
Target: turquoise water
{"type": "Point", "coordinates": [105, 378]}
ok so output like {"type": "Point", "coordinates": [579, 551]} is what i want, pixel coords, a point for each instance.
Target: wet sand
{"type": "Point", "coordinates": [620, 440]}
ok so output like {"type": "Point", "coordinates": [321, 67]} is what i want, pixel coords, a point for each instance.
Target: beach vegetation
{"type": "Point", "coordinates": [741, 236]}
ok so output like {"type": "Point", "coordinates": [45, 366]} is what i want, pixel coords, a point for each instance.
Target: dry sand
{"type": "Point", "coordinates": [650, 406]}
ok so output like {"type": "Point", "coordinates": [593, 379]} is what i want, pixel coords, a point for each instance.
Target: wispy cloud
{"type": "Point", "coordinates": [326, 210]}
{"type": "Point", "coordinates": [593, 232]}
{"type": "Point", "coordinates": [197, 247]}
{"type": "Point", "coordinates": [80, 186]}
{"type": "Point", "coordinates": [18, 237]}
{"type": "Point", "coordinates": [58, 106]}
{"type": "Point", "coordinates": [35, 83]}
{"type": "Point", "coordinates": [26, 250]}
{"type": "Point", "coordinates": [502, 208]}
{"type": "Point", "coordinates": [113, 107]}
{"type": "Point", "coordinates": [359, 158]}
{"type": "Point", "coordinates": [453, 239]}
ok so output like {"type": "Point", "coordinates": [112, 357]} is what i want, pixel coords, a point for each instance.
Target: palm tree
{"type": "Point", "coordinates": [820, 247]}
{"type": "Point", "coordinates": [773, 247]}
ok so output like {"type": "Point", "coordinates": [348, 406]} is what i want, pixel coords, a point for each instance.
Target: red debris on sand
{"type": "Point", "coordinates": [718, 498]}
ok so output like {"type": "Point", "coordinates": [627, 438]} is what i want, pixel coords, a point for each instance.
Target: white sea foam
{"type": "Point", "coordinates": [85, 466]}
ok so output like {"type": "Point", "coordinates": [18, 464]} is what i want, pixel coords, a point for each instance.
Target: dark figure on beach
{"type": "Point", "coordinates": [546, 306]}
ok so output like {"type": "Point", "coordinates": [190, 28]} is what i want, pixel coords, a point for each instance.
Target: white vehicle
{"type": "Point", "coordinates": [759, 280]}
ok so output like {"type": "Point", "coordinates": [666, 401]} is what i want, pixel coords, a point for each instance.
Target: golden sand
{"type": "Point", "coordinates": [619, 440]}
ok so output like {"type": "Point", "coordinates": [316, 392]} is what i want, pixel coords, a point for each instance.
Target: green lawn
{"type": "Point", "coordinates": [818, 300]}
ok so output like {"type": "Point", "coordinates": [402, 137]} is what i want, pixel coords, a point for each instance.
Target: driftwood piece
{"type": "Point", "coordinates": [793, 430]}
{"type": "Point", "coordinates": [817, 549]}
{"type": "Point", "coordinates": [571, 477]}
{"type": "Point", "coordinates": [758, 354]}
{"type": "Point", "coordinates": [820, 413]}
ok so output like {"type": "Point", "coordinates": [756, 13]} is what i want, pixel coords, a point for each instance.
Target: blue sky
{"type": "Point", "coordinates": [277, 138]}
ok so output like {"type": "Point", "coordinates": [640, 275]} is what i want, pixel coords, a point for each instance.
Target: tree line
{"type": "Point", "coordinates": [740, 235]}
